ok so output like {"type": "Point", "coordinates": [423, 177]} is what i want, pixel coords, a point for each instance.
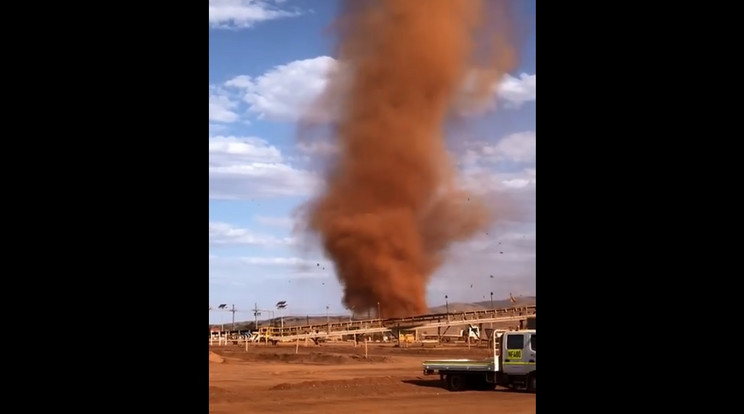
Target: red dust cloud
{"type": "Point", "coordinates": [390, 206]}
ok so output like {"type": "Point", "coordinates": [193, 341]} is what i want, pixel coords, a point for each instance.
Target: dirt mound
{"type": "Point", "coordinates": [313, 358]}
{"type": "Point", "coordinates": [215, 358]}
{"type": "Point", "coordinates": [365, 383]}
{"type": "Point", "coordinates": [370, 358]}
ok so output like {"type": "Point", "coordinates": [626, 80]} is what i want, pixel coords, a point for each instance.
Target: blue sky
{"type": "Point", "coordinates": [267, 60]}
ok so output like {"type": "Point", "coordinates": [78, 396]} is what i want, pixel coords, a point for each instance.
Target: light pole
{"type": "Point", "coordinates": [222, 319]}
{"type": "Point", "coordinates": [446, 303]}
{"type": "Point", "coordinates": [328, 320]}
{"type": "Point", "coordinates": [279, 306]}
{"type": "Point", "coordinates": [378, 311]}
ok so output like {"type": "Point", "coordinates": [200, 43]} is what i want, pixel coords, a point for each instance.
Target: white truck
{"type": "Point", "coordinates": [471, 334]}
{"type": "Point", "coordinates": [513, 365]}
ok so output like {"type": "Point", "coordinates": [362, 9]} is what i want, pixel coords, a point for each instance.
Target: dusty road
{"type": "Point", "coordinates": [337, 379]}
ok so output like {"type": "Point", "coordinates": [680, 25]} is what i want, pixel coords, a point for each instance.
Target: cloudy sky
{"type": "Point", "coordinates": [267, 61]}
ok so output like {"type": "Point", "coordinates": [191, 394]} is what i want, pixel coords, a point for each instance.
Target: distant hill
{"type": "Point", "coordinates": [483, 305]}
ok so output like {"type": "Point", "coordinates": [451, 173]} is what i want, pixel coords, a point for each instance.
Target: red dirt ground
{"type": "Point", "coordinates": [330, 379]}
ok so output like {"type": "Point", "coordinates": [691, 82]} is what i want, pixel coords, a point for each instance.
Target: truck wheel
{"type": "Point", "coordinates": [456, 382]}
{"type": "Point", "coordinates": [532, 383]}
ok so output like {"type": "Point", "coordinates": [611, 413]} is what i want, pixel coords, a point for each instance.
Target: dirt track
{"type": "Point", "coordinates": [337, 379]}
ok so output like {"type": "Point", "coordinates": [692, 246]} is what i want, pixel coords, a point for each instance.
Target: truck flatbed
{"type": "Point", "coordinates": [483, 365]}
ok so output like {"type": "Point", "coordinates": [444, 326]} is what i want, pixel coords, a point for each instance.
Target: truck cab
{"type": "Point", "coordinates": [517, 359]}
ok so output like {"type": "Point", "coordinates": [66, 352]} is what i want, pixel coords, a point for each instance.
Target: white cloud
{"type": "Point", "coordinates": [245, 168]}
{"type": "Point", "coordinates": [292, 262]}
{"type": "Point", "coordinates": [512, 91]}
{"type": "Point", "coordinates": [513, 245]}
{"type": "Point", "coordinates": [221, 107]}
{"type": "Point", "coordinates": [258, 180]}
{"type": "Point", "coordinates": [278, 261]}
{"type": "Point", "coordinates": [283, 222]}
{"type": "Point", "coordinates": [241, 81]}
{"type": "Point", "coordinates": [216, 128]}
{"type": "Point", "coordinates": [489, 181]}
{"type": "Point", "coordinates": [275, 267]}
{"type": "Point", "coordinates": [504, 174]}
{"type": "Point", "coordinates": [291, 92]}
{"type": "Point", "coordinates": [225, 234]}
{"type": "Point", "coordinates": [516, 91]}
{"type": "Point", "coordinates": [317, 147]}
{"type": "Point", "coordinates": [520, 147]}
{"type": "Point", "coordinates": [517, 183]}
{"type": "Point", "coordinates": [224, 150]}
{"type": "Point", "coordinates": [236, 14]}
{"type": "Point", "coordinates": [285, 92]}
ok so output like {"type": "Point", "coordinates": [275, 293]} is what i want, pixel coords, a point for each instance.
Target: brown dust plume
{"type": "Point", "coordinates": [391, 206]}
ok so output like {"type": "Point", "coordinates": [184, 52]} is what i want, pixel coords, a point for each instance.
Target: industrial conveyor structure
{"type": "Point", "coordinates": [369, 326]}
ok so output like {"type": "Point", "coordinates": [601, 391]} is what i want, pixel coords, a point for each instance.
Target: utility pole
{"type": "Point", "coordinates": [233, 316]}
{"type": "Point", "coordinates": [491, 308]}
{"type": "Point", "coordinates": [255, 316]}
{"type": "Point", "coordinates": [328, 321]}
{"type": "Point", "coordinates": [378, 310]}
